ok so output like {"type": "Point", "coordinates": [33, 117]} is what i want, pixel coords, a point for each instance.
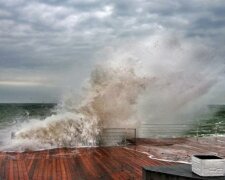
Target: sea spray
{"type": "Point", "coordinates": [64, 130]}
{"type": "Point", "coordinates": [157, 80]}
{"type": "Point", "coordinates": [110, 101]}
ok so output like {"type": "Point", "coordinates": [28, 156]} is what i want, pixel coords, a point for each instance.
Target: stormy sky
{"type": "Point", "coordinates": [45, 44]}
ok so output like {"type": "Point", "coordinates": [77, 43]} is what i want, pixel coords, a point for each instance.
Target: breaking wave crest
{"type": "Point", "coordinates": [110, 101]}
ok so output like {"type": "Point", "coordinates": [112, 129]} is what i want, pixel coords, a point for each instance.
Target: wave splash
{"type": "Point", "coordinates": [110, 101]}
{"type": "Point", "coordinates": [155, 80]}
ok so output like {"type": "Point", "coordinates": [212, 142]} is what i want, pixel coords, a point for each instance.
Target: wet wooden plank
{"type": "Point", "coordinates": [3, 167]}
{"type": "Point", "coordinates": [29, 161]}
{"type": "Point", "coordinates": [41, 169]}
{"type": "Point", "coordinates": [82, 163]}
{"type": "Point", "coordinates": [10, 172]}
{"type": "Point", "coordinates": [47, 167]}
{"type": "Point", "coordinates": [62, 165]}
{"type": "Point", "coordinates": [32, 169]}
{"type": "Point", "coordinates": [24, 170]}
{"type": "Point", "coordinates": [72, 167]}
{"type": "Point", "coordinates": [66, 166]}
{"type": "Point", "coordinates": [58, 169]}
{"type": "Point", "coordinates": [53, 172]}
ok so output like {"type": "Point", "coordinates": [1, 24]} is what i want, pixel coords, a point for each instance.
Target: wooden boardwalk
{"type": "Point", "coordinates": [79, 164]}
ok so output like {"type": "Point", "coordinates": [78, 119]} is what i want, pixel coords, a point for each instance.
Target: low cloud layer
{"type": "Point", "coordinates": [46, 44]}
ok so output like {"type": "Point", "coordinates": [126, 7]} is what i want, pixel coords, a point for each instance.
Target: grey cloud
{"type": "Point", "coordinates": [52, 38]}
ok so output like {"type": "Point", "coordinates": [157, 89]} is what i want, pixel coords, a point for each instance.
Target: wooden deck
{"type": "Point", "coordinates": [83, 163]}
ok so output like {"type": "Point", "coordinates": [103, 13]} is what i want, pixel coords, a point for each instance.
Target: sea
{"type": "Point", "coordinates": [12, 115]}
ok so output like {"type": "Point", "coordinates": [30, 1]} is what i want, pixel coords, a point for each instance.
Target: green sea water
{"type": "Point", "coordinates": [14, 112]}
{"type": "Point", "coordinates": [213, 124]}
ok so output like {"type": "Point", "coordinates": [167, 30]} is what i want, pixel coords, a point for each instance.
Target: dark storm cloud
{"type": "Point", "coordinates": [46, 39]}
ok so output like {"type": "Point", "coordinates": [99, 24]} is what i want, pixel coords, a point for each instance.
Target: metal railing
{"type": "Point", "coordinates": [125, 136]}
{"type": "Point", "coordinates": [181, 130]}
{"type": "Point", "coordinates": [117, 136]}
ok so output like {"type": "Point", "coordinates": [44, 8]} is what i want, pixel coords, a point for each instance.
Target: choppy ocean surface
{"type": "Point", "coordinates": [13, 114]}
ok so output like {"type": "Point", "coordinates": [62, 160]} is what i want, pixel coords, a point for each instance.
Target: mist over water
{"type": "Point", "coordinates": [162, 79]}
